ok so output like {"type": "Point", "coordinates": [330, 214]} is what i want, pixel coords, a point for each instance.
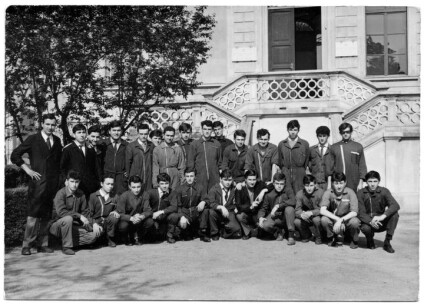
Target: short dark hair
{"type": "Point", "coordinates": [157, 133]}
{"type": "Point", "coordinates": [323, 130]}
{"type": "Point", "coordinates": [250, 172]}
{"type": "Point", "coordinates": [207, 123]}
{"type": "Point", "coordinates": [226, 173]}
{"type": "Point", "coordinates": [106, 175]}
{"type": "Point", "coordinates": [168, 129]}
{"type": "Point", "coordinates": [79, 127]}
{"type": "Point", "coordinates": [163, 177]}
{"type": "Point", "coordinates": [262, 132]}
{"type": "Point", "coordinates": [95, 128]}
{"type": "Point", "coordinates": [293, 124]}
{"type": "Point", "coordinates": [73, 174]}
{"type": "Point", "coordinates": [217, 124]}
{"type": "Point", "coordinates": [190, 170]}
{"type": "Point", "coordinates": [372, 174]}
{"type": "Point", "coordinates": [143, 126]}
{"type": "Point", "coordinates": [115, 124]}
{"type": "Point", "coordinates": [184, 127]}
{"type": "Point", "coordinates": [338, 177]}
{"type": "Point", "coordinates": [344, 126]}
{"type": "Point", "coordinates": [279, 177]}
{"type": "Point", "coordinates": [48, 116]}
{"type": "Point", "coordinates": [239, 133]}
{"type": "Point", "coordinates": [309, 179]}
{"type": "Point", "coordinates": [134, 179]}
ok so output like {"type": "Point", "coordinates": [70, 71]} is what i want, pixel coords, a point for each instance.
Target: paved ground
{"type": "Point", "coordinates": [223, 270]}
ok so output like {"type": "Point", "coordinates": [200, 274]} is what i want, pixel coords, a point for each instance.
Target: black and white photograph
{"type": "Point", "coordinates": [212, 151]}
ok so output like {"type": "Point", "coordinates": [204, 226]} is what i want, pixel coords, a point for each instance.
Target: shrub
{"type": "Point", "coordinates": [15, 176]}
{"type": "Point", "coordinates": [15, 212]}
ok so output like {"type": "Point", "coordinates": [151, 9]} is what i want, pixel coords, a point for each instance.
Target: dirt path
{"type": "Point", "coordinates": [223, 270]}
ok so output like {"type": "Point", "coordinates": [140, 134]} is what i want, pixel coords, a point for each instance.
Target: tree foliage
{"type": "Point", "coordinates": [56, 55]}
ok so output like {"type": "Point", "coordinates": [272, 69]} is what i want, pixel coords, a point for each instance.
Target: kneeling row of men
{"type": "Point", "coordinates": [228, 211]}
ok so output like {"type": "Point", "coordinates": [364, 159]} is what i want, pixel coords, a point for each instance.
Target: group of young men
{"type": "Point", "coordinates": [98, 189]}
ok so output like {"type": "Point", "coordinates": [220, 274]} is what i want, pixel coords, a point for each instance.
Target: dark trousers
{"type": "Point", "coordinates": [280, 221]}
{"type": "Point", "coordinates": [36, 231]}
{"type": "Point", "coordinates": [109, 225]}
{"type": "Point", "coordinates": [127, 229]}
{"type": "Point", "coordinates": [303, 226]}
{"type": "Point", "coordinates": [161, 227]}
{"type": "Point", "coordinates": [389, 225]}
{"type": "Point", "coordinates": [72, 234]}
{"type": "Point", "coordinates": [198, 223]}
{"type": "Point", "coordinates": [247, 222]}
{"type": "Point", "coordinates": [352, 227]}
{"type": "Point", "coordinates": [231, 228]}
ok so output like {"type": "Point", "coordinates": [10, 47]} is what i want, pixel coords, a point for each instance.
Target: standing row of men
{"type": "Point", "coordinates": [216, 162]}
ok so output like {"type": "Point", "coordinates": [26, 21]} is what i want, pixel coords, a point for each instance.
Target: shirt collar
{"type": "Point", "coordinates": [68, 192]}
{"type": "Point", "coordinates": [325, 146]}
{"type": "Point", "coordinates": [79, 145]}
{"type": "Point", "coordinates": [161, 193]}
{"type": "Point", "coordinates": [45, 136]}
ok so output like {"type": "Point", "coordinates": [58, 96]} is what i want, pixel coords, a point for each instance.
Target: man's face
{"type": "Point", "coordinates": [206, 131]}
{"type": "Point", "coordinates": [251, 181]}
{"type": "Point", "coordinates": [339, 186]}
{"type": "Point", "coordinates": [169, 137]}
{"type": "Point", "coordinates": [94, 138]}
{"type": "Point", "coordinates": [263, 141]}
{"type": "Point", "coordinates": [143, 134]}
{"type": "Point", "coordinates": [293, 132]}
{"type": "Point", "coordinates": [279, 185]}
{"type": "Point", "coordinates": [309, 188]}
{"type": "Point", "coordinates": [322, 139]}
{"type": "Point", "coordinates": [49, 125]}
{"type": "Point", "coordinates": [185, 135]}
{"type": "Point", "coordinates": [115, 133]}
{"type": "Point", "coordinates": [156, 140]}
{"type": "Point", "coordinates": [346, 134]}
{"type": "Point", "coordinates": [226, 182]}
{"type": "Point", "coordinates": [107, 185]}
{"type": "Point", "coordinates": [73, 184]}
{"type": "Point", "coordinates": [373, 183]}
{"type": "Point", "coordinates": [135, 188]}
{"type": "Point", "coordinates": [164, 186]}
{"type": "Point", "coordinates": [239, 141]}
{"type": "Point", "coordinates": [218, 131]}
{"type": "Point", "coordinates": [190, 177]}
{"type": "Point", "coordinates": [80, 136]}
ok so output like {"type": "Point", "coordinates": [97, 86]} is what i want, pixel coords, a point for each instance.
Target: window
{"type": "Point", "coordinates": [386, 40]}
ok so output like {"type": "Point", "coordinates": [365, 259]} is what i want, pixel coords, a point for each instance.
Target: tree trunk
{"type": "Point", "coordinates": [67, 138]}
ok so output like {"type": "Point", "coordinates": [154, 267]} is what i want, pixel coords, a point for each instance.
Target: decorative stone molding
{"type": "Point", "coordinates": [234, 97]}
{"type": "Point", "coordinates": [352, 91]}
{"type": "Point", "coordinates": [408, 111]}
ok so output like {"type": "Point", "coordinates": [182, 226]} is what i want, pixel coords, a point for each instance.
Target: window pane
{"type": "Point", "coordinates": [375, 24]}
{"type": "Point", "coordinates": [375, 45]}
{"type": "Point", "coordinates": [397, 64]}
{"type": "Point", "coordinates": [396, 44]}
{"type": "Point", "coordinates": [396, 23]}
{"type": "Point", "coordinates": [375, 65]}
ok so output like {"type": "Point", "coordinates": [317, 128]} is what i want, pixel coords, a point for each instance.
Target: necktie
{"type": "Point", "coordinates": [48, 143]}
{"type": "Point", "coordinates": [226, 196]}
{"type": "Point", "coordinates": [115, 146]}
{"type": "Point", "coordinates": [321, 150]}
{"type": "Point", "coordinates": [82, 149]}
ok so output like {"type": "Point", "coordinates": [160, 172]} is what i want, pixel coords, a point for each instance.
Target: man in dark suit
{"type": "Point", "coordinates": [44, 150]}
{"type": "Point", "coordinates": [81, 158]}
{"type": "Point", "coordinates": [222, 208]}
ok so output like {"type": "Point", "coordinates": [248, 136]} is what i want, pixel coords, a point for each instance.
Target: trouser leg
{"type": "Point", "coordinates": [367, 230]}
{"type": "Point", "coordinates": [391, 225]}
{"type": "Point", "coordinates": [43, 233]}
{"type": "Point", "coordinates": [303, 228]}
{"type": "Point", "coordinates": [352, 227]}
{"type": "Point", "coordinates": [243, 218]}
{"type": "Point", "coordinates": [84, 237]}
{"type": "Point", "coordinates": [214, 219]}
{"type": "Point", "coordinates": [232, 227]}
{"type": "Point", "coordinates": [110, 224]}
{"type": "Point", "coordinates": [327, 225]}
{"type": "Point", "coordinates": [124, 228]}
{"type": "Point", "coordinates": [31, 231]}
{"type": "Point", "coordinates": [147, 228]}
{"type": "Point", "coordinates": [172, 221]}
{"type": "Point", "coordinates": [62, 228]}
{"type": "Point", "coordinates": [289, 217]}
{"type": "Point", "coordinates": [316, 221]}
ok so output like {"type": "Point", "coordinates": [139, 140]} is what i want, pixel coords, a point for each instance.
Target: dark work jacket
{"type": "Point", "coordinates": [242, 198]}
{"type": "Point", "coordinates": [99, 208]}
{"type": "Point", "coordinates": [151, 203]}
{"type": "Point", "coordinates": [234, 161]}
{"type": "Point", "coordinates": [225, 142]}
{"type": "Point", "coordinates": [215, 198]}
{"type": "Point", "coordinates": [372, 204]}
{"type": "Point", "coordinates": [284, 199]}
{"type": "Point", "coordinates": [87, 166]}
{"type": "Point", "coordinates": [139, 162]}
{"type": "Point", "coordinates": [47, 163]}
{"type": "Point", "coordinates": [129, 204]}
{"type": "Point", "coordinates": [187, 197]}
{"type": "Point", "coordinates": [321, 167]}
{"type": "Point", "coordinates": [186, 146]}
{"type": "Point", "coordinates": [262, 164]}
{"type": "Point", "coordinates": [114, 163]}
{"type": "Point", "coordinates": [68, 204]}
{"type": "Point", "coordinates": [308, 202]}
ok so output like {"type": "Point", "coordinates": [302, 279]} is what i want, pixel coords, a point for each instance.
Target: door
{"type": "Point", "coordinates": [281, 39]}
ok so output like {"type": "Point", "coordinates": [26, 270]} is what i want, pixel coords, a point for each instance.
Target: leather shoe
{"type": "Point", "coordinates": [353, 245]}
{"type": "Point", "coordinates": [26, 251]}
{"type": "Point", "coordinates": [111, 243]}
{"type": "Point", "coordinates": [318, 241]}
{"type": "Point", "coordinates": [205, 239]}
{"type": "Point", "coordinates": [171, 240]}
{"type": "Point", "coordinates": [387, 247]}
{"type": "Point", "coordinates": [333, 242]}
{"type": "Point", "coordinates": [138, 243]}
{"type": "Point", "coordinates": [45, 249]}
{"type": "Point", "coordinates": [370, 244]}
{"type": "Point", "coordinates": [246, 237]}
{"type": "Point", "coordinates": [279, 237]}
{"type": "Point", "coordinates": [68, 251]}
{"type": "Point", "coordinates": [305, 240]}
{"type": "Point", "coordinates": [129, 244]}
{"type": "Point", "coordinates": [291, 241]}
{"type": "Point", "coordinates": [215, 237]}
